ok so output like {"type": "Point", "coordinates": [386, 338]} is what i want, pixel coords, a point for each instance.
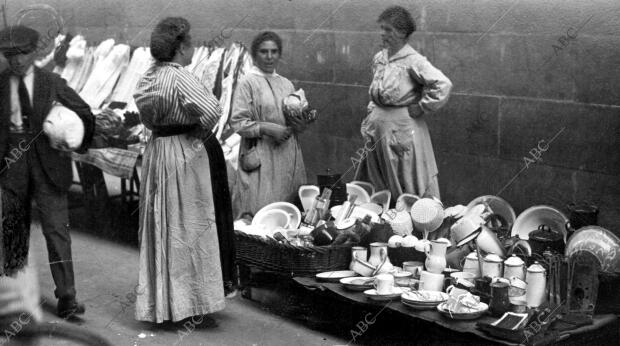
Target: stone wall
{"type": "Point", "coordinates": [528, 75]}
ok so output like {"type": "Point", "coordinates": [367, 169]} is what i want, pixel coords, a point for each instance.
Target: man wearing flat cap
{"type": "Point", "coordinates": [30, 168]}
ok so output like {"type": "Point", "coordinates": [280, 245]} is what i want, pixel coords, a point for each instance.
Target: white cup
{"type": "Point", "coordinates": [413, 267]}
{"type": "Point", "coordinates": [384, 283]}
{"type": "Point", "coordinates": [431, 281]}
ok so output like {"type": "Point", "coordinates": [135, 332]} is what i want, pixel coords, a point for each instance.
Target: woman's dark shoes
{"type": "Point", "coordinates": [69, 307]}
{"type": "Point", "coordinates": [230, 291]}
{"type": "Point", "coordinates": [200, 321]}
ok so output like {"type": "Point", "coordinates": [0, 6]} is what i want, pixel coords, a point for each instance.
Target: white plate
{"type": "Point", "coordinates": [289, 208]}
{"type": "Point", "coordinates": [529, 220]}
{"type": "Point", "coordinates": [335, 275]}
{"type": "Point", "coordinates": [463, 315]}
{"type": "Point", "coordinates": [436, 297]}
{"type": "Point", "coordinates": [396, 292]}
{"type": "Point", "coordinates": [420, 306]}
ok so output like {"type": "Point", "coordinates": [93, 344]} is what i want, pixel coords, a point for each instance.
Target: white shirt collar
{"type": "Point", "coordinates": [258, 71]}
{"type": "Point", "coordinates": [29, 71]}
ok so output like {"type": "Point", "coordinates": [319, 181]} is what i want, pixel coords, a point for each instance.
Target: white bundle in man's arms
{"type": "Point", "coordinates": [64, 128]}
{"type": "Point", "coordinates": [296, 105]}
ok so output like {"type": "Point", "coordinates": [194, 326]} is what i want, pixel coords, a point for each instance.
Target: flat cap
{"type": "Point", "coordinates": [18, 39]}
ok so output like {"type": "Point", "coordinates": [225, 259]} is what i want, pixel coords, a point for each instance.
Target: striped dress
{"type": "Point", "coordinates": [179, 274]}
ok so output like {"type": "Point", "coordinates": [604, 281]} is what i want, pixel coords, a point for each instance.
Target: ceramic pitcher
{"type": "Point", "coordinates": [436, 256]}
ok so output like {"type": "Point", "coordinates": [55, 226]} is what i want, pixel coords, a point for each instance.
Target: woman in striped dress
{"type": "Point", "coordinates": [180, 274]}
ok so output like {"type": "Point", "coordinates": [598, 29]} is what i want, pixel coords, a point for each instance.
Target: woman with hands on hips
{"type": "Point", "coordinates": [405, 88]}
{"type": "Point", "coordinates": [271, 166]}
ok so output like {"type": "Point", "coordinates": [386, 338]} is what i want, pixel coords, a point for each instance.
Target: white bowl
{"type": "Point", "coordinates": [529, 220]}
{"type": "Point", "coordinates": [362, 195]}
{"type": "Point", "coordinates": [400, 221]}
{"type": "Point", "coordinates": [272, 219]}
{"type": "Point", "coordinates": [382, 198]}
{"type": "Point", "coordinates": [307, 195]}
{"type": "Point", "coordinates": [497, 206]}
{"type": "Point", "coordinates": [406, 201]}
{"type": "Point", "coordinates": [290, 209]}
{"type": "Point", "coordinates": [375, 208]}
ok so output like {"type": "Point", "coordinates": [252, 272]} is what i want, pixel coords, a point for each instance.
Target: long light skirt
{"type": "Point", "coordinates": [399, 154]}
{"type": "Point", "coordinates": [180, 274]}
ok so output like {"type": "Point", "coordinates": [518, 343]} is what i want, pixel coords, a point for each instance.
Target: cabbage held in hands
{"type": "Point", "coordinates": [296, 105]}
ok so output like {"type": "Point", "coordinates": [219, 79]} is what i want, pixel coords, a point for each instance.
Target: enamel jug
{"type": "Point", "coordinates": [536, 285]}
{"type": "Point", "coordinates": [378, 257]}
{"type": "Point", "coordinates": [514, 267]}
{"type": "Point", "coordinates": [492, 266]}
{"type": "Point", "coordinates": [358, 252]}
{"type": "Point", "coordinates": [471, 264]}
{"type": "Point", "coordinates": [436, 256]}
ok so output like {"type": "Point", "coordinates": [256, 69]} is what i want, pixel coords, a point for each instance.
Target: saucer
{"type": "Point", "coordinates": [352, 283]}
{"type": "Point", "coordinates": [372, 294]}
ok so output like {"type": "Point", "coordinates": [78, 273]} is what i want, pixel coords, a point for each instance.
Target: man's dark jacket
{"type": "Point", "coordinates": [48, 87]}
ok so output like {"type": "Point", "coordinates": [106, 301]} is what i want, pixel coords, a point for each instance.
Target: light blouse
{"type": "Point", "coordinates": [407, 79]}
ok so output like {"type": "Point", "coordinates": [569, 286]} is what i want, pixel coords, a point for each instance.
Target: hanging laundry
{"type": "Point", "coordinates": [74, 58]}
{"type": "Point", "coordinates": [106, 72]}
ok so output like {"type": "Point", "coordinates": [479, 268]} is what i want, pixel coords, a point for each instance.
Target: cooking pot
{"type": "Point", "coordinates": [545, 238]}
{"type": "Point", "coordinates": [582, 214]}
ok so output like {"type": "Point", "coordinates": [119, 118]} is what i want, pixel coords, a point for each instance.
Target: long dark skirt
{"type": "Point", "coordinates": [15, 234]}
{"type": "Point", "coordinates": [223, 210]}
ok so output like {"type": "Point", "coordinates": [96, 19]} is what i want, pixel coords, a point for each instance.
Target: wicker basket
{"type": "Point", "coordinates": [270, 255]}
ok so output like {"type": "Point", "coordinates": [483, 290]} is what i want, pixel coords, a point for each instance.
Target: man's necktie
{"type": "Point", "coordinates": [24, 102]}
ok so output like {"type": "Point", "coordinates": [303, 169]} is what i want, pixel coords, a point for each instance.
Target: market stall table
{"type": "Point", "coordinates": [433, 316]}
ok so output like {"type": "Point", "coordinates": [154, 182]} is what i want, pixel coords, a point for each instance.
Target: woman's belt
{"type": "Point", "coordinates": [172, 130]}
